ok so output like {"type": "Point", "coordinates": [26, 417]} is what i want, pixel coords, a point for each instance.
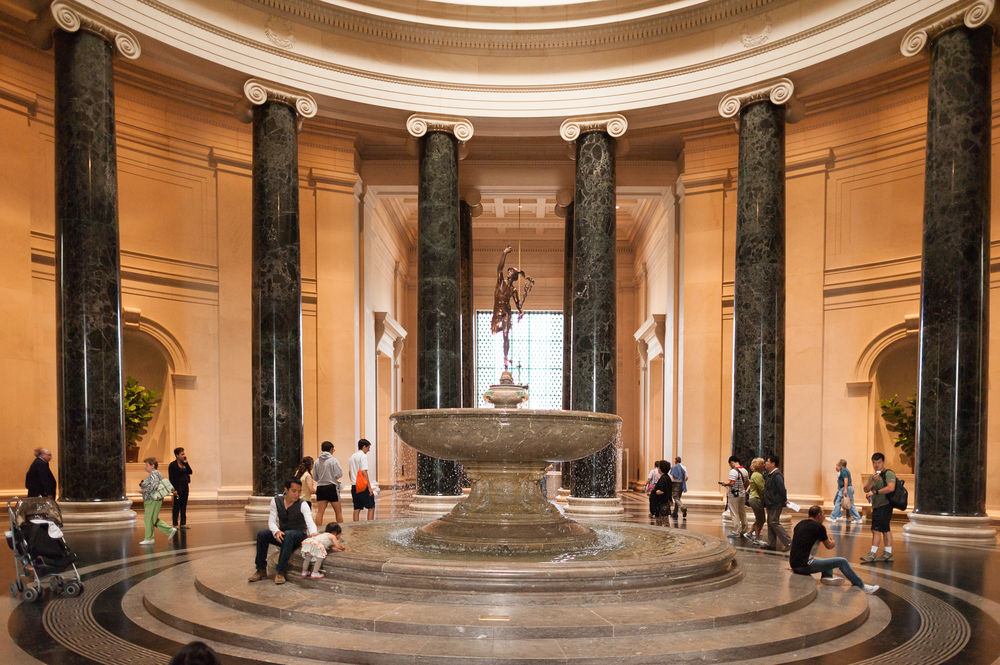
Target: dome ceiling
{"type": "Point", "coordinates": [519, 65]}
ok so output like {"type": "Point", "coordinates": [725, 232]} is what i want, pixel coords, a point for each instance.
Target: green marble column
{"type": "Point", "coordinates": [955, 278]}
{"type": "Point", "coordinates": [439, 298]}
{"type": "Point", "coordinates": [88, 287]}
{"type": "Point", "coordinates": [468, 311]}
{"type": "Point", "coordinates": [567, 467]}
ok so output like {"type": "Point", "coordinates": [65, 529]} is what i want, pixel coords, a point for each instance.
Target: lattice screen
{"type": "Point", "coordinates": [537, 348]}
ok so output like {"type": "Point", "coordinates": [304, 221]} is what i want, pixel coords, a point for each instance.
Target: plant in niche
{"type": "Point", "coordinates": [901, 420]}
{"type": "Point", "coordinates": [138, 405]}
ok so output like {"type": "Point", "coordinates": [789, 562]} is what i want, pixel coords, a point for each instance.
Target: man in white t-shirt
{"type": "Point", "coordinates": [737, 497]}
{"type": "Point", "coordinates": [364, 499]}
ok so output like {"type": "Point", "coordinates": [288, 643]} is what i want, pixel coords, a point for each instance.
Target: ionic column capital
{"type": "Point", "coordinates": [257, 92]}
{"type": "Point", "coordinates": [614, 124]}
{"type": "Point", "coordinates": [71, 16]}
{"type": "Point", "coordinates": [971, 13]}
{"type": "Point", "coordinates": [419, 124]}
{"type": "Point", "coordinates": [780, 92]}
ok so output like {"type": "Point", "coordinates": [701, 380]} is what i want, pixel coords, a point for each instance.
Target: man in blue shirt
{"type": "Point", "coordinates": [679, 473]}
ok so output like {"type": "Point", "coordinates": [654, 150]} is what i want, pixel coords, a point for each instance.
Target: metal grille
{"type": "Point", "coordinates": [537, 349]}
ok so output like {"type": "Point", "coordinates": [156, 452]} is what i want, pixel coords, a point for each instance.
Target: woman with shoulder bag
{"type": "Point", "coordinates": [155, 488]}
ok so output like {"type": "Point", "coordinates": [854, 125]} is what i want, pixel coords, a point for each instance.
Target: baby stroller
{"type": "Point", "coordinates": [41, 557]}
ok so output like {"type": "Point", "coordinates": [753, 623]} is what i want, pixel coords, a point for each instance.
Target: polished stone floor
{"type": "Point", "coordinates": [945, 606]}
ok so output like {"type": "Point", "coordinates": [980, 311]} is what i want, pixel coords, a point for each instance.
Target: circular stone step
{"type": "Point", "coordinates": [311, 604]}
{"type": "Point", "coordinates": [634, 563]}
{"type": "Point", "coordinates": [172, 599]}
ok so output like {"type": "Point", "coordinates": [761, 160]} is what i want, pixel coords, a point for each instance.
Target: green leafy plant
{"type": "Point", "coordinates": [901, 420]}
{"type": "Point", "coordinates": [138, 409]}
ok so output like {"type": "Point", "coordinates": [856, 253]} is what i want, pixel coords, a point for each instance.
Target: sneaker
{"type": "Point", "coordinates": [258, 576]}
{"type": "Point", "coordinates": [868, 558]}
{"type": "Point", "coordinates": [305, 572]}
{"type": "Point", "coordinates": [748, 536]}
{"type": "Point", "coordinates": [870, 588]}
{"type": "Point", "coordinates": [885, 557]}
{"type": "Point", "coordinates": [317, 576]}
{"type": "Point", "coordinates": [173, 532]}
{"type": "Point", "coordinates": [185, 527]}
{"type": "Point", "coordinates": [831, 519]}
{"type": "Point", "coordinates": [279, 578]}
{"type": "Point", "coordinates": [832, 581]}
{"type": "Point", "coordinates": [857, 521]}
{"type": "Point", "coordinates": [685, 513]}
{"type": "Point", "coordinates": [147, 542]}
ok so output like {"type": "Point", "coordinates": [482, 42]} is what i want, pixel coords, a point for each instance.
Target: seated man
{"type": "Point", "coordinates": [809, 533]}
{"type": "Point", "coordinates": [289, 523]}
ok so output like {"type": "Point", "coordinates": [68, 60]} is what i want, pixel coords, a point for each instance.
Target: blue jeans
{"type": "Point", "coordinates": [288, 544]}
{"type": "Point", "coordinates": [826, 566]}
{"type": "Point", "coordinates": [838, 500]}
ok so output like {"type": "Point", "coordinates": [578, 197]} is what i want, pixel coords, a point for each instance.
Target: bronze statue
{"type": "Point", "coordinates": [507, 289]}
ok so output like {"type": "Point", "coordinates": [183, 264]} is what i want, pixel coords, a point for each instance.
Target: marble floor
{"type": "Point", "coordinates": [945, 606]}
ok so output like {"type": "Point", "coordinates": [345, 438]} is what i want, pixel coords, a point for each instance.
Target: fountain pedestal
{"type": "Point", "coordinates": [505, 512]}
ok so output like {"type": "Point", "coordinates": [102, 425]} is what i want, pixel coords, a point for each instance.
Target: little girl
{"type": "Point", "coordinates": [317, 547]}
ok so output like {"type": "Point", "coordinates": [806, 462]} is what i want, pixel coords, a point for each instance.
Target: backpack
{"type": "Point", "coordinates": [746, 478]}
{"type": "Point", "coordinates": [899, 497]}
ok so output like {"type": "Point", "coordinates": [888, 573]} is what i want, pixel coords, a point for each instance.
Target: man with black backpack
{"type": "Point", "coordinates": [877, 489]}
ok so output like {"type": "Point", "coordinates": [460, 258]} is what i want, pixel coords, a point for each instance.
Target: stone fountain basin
{"type": "Point", "coordinates": [506, 435]}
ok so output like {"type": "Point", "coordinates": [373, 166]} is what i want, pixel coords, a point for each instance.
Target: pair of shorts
{"type": "Point", "coordinates": [362, 501]}
{"type": "Point", "coordinates": [881, 517]}
{"type": "Point", "coordinates": [327, 493]}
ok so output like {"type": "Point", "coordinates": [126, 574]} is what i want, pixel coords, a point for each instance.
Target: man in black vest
{"type": "Point", "coordinates": [288, 524]}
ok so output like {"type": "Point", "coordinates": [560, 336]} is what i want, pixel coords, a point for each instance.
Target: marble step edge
{"type": "Point", "coordinates": [831, 616]}
{"type": "Point", "coordinates": [465, 620]}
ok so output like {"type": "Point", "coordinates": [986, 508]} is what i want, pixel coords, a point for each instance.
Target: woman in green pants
{"type": "Point", "coordinates": [152, 501]}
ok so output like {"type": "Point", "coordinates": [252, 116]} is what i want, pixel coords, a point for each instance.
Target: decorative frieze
{"type": "Point", "coordinates": [614, 124]}
{"type": "Point", "coordinates": [971, 13]}
{"type": "Point", "coordinates": [419, 124]}
{"type": "Point", "coordinates": [257, 91]}
{"type": "Point", "coordinates": [71, 16]}
{"type": "Point", "coordinates": [780, 92]}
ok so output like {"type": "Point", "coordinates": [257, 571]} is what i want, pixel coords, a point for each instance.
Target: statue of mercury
{"type": "Point", "coordinates": [507, 289]}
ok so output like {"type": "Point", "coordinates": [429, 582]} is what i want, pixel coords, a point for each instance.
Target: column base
{"type": "Point", "coordinates": [563, 496]}
{"type": "Point", "coordinates": [258, 507]}
{"type": "Point", "coordinates": [97, 512]}
{"type": "Point", "coordinates": [425, 505]}
{"type": "Point", "coordinates": [950, 529]}
{"type": "Point", "coordinates": [595, 509]}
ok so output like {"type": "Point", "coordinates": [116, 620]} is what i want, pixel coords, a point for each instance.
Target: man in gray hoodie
{"type": "Point", "coordinates": [327, 474]}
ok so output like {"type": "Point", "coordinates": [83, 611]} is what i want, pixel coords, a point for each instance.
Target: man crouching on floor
{"type": "Point", "coordinates": [289, 522]}
{"type": "Point", "coordinates": [809, 533]}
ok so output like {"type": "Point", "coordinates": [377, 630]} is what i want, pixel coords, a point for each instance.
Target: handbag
{"type": "Point", "coordinates": [361, 483]}
{"type": "Point", "coordinates": [845, 502]}
{"type": "Point", "coordinates": [163, 490]}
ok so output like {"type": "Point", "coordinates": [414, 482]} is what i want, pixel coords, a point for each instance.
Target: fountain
{"type": "Point", "coordinates": [505, 451]}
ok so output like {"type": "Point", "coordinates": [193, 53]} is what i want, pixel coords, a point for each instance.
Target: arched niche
{"type": "Point", "coordinates": [146, 359]}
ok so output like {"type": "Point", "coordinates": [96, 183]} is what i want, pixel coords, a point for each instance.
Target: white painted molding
{"type": "Point", "coordinates": [257, 92]}
{"type": "Point", "coordinates": [388, 331]}
{"type": "Point", "coordinates": [653, 333]}
{"type": "Point", "coordinates": [971, 13]}
{"type": "Point", "coordinates": [781, 92]}
{"type": "Point", "coordinates": [71, 16]}
{"type": "Point", "coordinates": [614, 124]}
{"type": "Point", "coordinates": [419, 124]}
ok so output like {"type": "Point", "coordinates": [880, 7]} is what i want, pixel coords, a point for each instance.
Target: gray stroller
{"type": "Point", "coordinates": [42, 559]}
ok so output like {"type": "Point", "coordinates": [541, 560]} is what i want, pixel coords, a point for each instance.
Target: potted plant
{"type": "Point", "coordinates": [901, 419]}
{"type": "Point", "coordinates": [137, 405]}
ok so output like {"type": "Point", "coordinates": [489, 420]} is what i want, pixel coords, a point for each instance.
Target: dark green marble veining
{"type": "Point", "coordinates": [88, 287]}
{"type": "Point", "coordinates": [567, 467]}
{"type": "Point", "coordinates": [439, 298]}
{"type": "Point", "coordinates": [759, 293]}
{"type": "Point", "coordinates": [468, 311]}
{"type": "Point", "coordinates": [276, 299]}
{"type": "Point", "coordinates": [954, 294]}
{"type": "Point", "coordinates": [594, 352]}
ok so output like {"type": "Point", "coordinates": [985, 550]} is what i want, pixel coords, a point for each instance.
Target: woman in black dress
{"type": "Point", "coordinates": [662, 495]}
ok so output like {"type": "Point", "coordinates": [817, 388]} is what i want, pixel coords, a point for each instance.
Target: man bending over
{"type": "Point", "coordinates": [807, 535]}
{"type": "Point", "coordinates": [289, 522]}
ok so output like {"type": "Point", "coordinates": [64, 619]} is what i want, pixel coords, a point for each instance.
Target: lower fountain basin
{"type": "Point", "coordinates": [505, 453]}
